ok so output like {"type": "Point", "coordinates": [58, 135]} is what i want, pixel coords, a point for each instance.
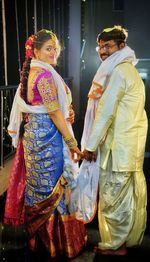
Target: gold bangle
{"type": "Point", "coordinates": [70, 141]}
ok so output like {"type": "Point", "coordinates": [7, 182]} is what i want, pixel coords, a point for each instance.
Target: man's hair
{"type": "Point", "coordinates": [116, 33]}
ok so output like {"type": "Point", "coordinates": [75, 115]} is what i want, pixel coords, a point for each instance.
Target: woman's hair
{"type": "Point", "coordinates": [116, 33]}
{"type": "Point", "coordinates": [35, 41]}
{"type": "Point", "coordinates": [44, 35]}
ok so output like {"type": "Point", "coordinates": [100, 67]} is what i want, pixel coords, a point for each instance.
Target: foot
{"type": "Point", "coordinates": [119, 252]}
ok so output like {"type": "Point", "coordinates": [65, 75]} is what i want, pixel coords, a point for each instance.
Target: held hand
{"type": "Point", "coordinates": [77, 155]}
{"type": "Point", "coordinates": [71, 116]}
{"type": "Point", "coordinates": [89, 156]}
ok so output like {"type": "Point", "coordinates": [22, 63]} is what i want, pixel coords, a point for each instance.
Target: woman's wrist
{"type": "Point", "coordinates": [71, 142]}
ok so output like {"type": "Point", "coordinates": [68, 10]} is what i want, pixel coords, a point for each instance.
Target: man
{"type": "Point", "coordinates": [116, 100]}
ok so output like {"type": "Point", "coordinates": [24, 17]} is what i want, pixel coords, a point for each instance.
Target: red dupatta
{"type": "Point", "coordinates": [14, 207]}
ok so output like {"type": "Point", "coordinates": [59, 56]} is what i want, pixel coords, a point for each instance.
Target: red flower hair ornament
{"type": "Point", "coordinates": [29, 46]}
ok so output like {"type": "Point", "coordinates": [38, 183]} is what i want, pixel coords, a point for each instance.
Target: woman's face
{"type": "Point", "coordinates": [48, 53]}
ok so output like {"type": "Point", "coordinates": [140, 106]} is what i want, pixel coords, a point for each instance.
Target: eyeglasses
{"type": "Point", "coordinates": [106, 47]}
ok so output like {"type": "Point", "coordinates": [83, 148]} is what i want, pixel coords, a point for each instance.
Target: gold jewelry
{"type": "Point", "coordinates": [71, 142]}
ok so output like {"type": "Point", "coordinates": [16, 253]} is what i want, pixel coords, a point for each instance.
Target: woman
{"type": "Point", "coordinates": [43, 171]}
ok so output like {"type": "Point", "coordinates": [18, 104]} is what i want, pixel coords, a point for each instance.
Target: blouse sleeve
{"type": "Point", "coordinates": [48, 92]}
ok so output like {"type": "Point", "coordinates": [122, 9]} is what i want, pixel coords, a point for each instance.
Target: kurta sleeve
{"type": "Point", "coordinates": [48, 92]}
{"type": "Point", "coordinates": [106, 110]}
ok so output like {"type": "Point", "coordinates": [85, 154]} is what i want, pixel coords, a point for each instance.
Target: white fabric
{"type": "Point", "coordinates": [106, 67]}
{"type": "Point", "coordinates": [83, 198]}
{"type": "Point", "coordinates": [101, 76]}
{"type": "Point", "coordinates": [19, 106]}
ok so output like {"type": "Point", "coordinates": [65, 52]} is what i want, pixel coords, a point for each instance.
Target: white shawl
{"type": "Point", "coordinates": [102, 75]}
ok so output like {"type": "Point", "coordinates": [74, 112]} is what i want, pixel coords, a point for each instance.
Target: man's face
{"type": "Point", "coordinates": [106, 48]}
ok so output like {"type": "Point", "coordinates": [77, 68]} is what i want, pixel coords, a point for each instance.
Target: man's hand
{"type": "Point", "coordinates": [89, 156]}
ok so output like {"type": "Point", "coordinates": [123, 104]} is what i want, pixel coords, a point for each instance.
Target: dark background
{"type": "Point", "coordinates": [77, 24]}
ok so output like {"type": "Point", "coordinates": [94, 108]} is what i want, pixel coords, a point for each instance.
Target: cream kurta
{"type": "Point", "coordinates": [121, 115]}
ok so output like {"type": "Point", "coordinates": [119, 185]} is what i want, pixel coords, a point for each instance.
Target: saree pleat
{"type": "Point", "coordinates": [62, 235]}
{"type": "Point", "coordinates": [70, 242]}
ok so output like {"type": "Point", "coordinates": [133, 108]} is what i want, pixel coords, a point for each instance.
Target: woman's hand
{"type": "Point", "coordinates": [71, 115]}
{"type": "Point", "coordinates": [77, 155]}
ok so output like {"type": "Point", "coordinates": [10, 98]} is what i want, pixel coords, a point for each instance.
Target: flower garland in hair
{"type": "Point", "coordinates": [29, 46]}
{"type": "Point", "coordinates": [28, 56]}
